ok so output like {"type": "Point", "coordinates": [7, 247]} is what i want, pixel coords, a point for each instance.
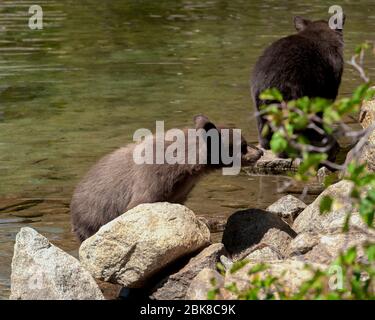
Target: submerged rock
{"type": "Point", "coordinates": [41, 271]}
{"type": "Point", "coordinates": [270, 163]}
{"type": "Point", "coordinates": [175, 286]}
{"type": "Point", "coordinates": [132, 248]}
{"type": "Point", "coordinates": [287, 207]}
{"type": "Point", "coordinates": [254, 226]}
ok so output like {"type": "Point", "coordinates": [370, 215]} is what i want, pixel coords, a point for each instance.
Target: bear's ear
{"type": "Point", "coordinates": [301, 23]}
{"type": "Point", "coordinates": [202, 122]}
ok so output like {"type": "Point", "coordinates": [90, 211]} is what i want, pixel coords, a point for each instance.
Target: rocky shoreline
{"type": "Point", "coordinates": [165, 250]}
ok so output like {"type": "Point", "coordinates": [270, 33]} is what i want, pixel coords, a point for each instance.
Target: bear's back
{"type": "Point", "coordinates": [298, 66]}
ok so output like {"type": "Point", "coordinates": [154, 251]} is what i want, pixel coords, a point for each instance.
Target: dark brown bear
{"type": "Point", "coordinates": [116, 183]}
{"type": "Point", "coordinates": [309, 63]}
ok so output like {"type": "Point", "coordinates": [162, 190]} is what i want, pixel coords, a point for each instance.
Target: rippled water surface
{"type": "Point", "coordinates": [101, 69]}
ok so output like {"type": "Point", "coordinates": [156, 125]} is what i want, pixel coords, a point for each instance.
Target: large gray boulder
{"type": "Point", "coordinates": [174, 287]}
{"type": "Point", "coordinates": [134, 247]}
{"type": "Point", "coordinates": [248, 228]}
{"type": "Point", "coordinates": [41, 271]}
{"type": "Point", "coordinates": [311, 220]}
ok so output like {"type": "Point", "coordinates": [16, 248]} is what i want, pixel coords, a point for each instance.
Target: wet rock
{"type": "Point", "coordinates": [41, 271]}
{"type": "Point", "coordinates": [207, 280]}
{"type": "Point", "coordinates": [298, 188]}
{"type": "Point", "coordinates": [287, 207]}
{"type": "Point", "coordinates": [176, 285]}
{"type": "Point", "coordinates": [132, 248]}
{"type": "Point", "coordinates": [290, 274]}
{"type": "Point", "coordinates": [250, 227]}
{"type": "Point", "coordinates": [270, 163]}
{"type": "Point", "coordinates": [310, 219]}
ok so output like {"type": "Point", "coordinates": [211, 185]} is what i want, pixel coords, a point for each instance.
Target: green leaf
{"type": "Point", "coordinates": [367, 210]}
{"type": "Point", "coordinates": [360, 93]}
{"type": "Point", "coordinates": [238, 265]}
{"type": "Point", "coordinates": [350, 256]}
{"type": "Point", "coordinates": [271, 95]}
{"type": "Point", "coordinates": [311, 161]}
{"type": "Point", "coordinates": [370, 251]}
{"type": "Point", "coordinates": [221, 268]}
{"type": "Point", "coordinates": [302, 104]}
{"type": "Point", "coordinates": [360, 47]}
{"type": "Point", "coordinates": [365, 180]}
{"type": "Point", "coordinates": [325, 204]}
{"type": "Point", "coordinates": [265, 130]}
{"type": "Point", "coordinates": [355, 171]}
{"type": "Point", "coordinates": [278, 143]}
{"type": "Point", "coordinates": [298, 121]}
{"type": "Point", "coordinates": [370, 94]}
{"type": "Point", "coordinates": [330, 116]}
{"type": "Point", "coordinates": [371, 195]}
{"type": "Point", "coordinates": [258, 268]}
{"type": "Point", "coordinates": [232, 287]}
{"type": "Point", "coordinates": [319, 105]}
{"type": "Point", "coordinates": [329, 180]}
{"type": "Point", "coordinates": [345, 105]}
{"type": "Point", "coordinates": [211, 295]}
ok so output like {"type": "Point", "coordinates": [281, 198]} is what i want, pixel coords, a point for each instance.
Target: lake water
{"type": "Point", "coordinates": [99, 70]}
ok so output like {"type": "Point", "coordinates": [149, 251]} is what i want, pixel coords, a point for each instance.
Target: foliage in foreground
{"type": "Point", "coordinates": [347, 278]}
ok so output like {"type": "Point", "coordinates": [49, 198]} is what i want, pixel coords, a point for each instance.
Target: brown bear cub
{"type": "Point", "coordinates": [117, 183]}
{"type": "Point", "coordinates": [309, 63]}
